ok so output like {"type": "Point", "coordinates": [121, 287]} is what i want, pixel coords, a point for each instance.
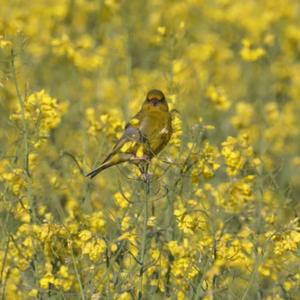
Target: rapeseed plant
{"type": "Point", "coordinates": [218, 218]}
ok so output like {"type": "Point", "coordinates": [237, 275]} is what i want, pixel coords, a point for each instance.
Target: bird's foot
{"type": "Point", "coordinates": [145, 159]}
{"type": "Point", "coordinates": [146, 177]}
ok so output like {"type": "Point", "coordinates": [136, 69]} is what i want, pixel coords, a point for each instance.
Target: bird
{"type": "Point", "coordinates": [145, 135]}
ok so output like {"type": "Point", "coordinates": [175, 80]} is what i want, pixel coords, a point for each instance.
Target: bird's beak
{"type": "Point", "coordinates": [155, 102]}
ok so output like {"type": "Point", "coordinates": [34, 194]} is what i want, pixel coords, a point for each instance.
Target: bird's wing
{"type": "Point", "coordinates": [131, 134]}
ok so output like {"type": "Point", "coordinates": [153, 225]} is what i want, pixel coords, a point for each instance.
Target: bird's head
{"type": "Point", "coordinates": [155, 101]}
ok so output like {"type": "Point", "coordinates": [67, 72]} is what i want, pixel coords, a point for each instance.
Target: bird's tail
{"type": "Point", "coordinates": [108, 162]}
{"type": "Point", "coordinates": [111, 160]}
{"type": "Point", "coordinates": [95, 172]}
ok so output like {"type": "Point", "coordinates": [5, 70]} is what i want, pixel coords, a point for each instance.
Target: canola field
{"type": "Point", "coordinates": [220, 216]}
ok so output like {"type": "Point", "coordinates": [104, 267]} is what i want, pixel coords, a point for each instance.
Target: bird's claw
{"type": "Point", "coordinates": [146, 177]}
{"type": "Point", "coordinates": [145, 159]}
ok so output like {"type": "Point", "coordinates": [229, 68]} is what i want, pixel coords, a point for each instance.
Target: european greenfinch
{"type": "Point", "coordinates": [148, 132]}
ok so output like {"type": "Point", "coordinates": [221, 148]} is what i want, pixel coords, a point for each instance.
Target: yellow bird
{"type": "Point", "coordinates": [148, 132]}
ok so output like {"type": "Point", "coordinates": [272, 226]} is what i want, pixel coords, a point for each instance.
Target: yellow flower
{"type": "Point", "coordinates": [63, 271]}
{"type": "Point", "coordinates": [134, 121]}
{"type": "Point", "coordinates": [181, 296]}
{"type": "Point", "coordinates": [124, 296]}
{"type": "Point", "coordinates": [46, 280]}
{"type": "Point", "coordinates": [161, 30]}
{"type": "Point", "coordinates": [151, 221]}
{"type": "Point", "coordinates": [218, 97]}
{"type": "Point", "coordinates": [122, 199]}
{"type": "Point", "coordinates": [126, 222]}
{"type": "Point", "coordinates": [4, 43]}
{"type": "Point", "coordinates": [114, 247]}
{"type": "Point", "coordinates": [85, 235]}
{"type": "Point", "coordinates": [33, 293]}
{"type": "Point", "coordinates": [251, 54]}
{"type": "Point", "coordinates": [140, 151]}
{"type": "Point", "coordinates": [174, 248]}
{"type": "Point", "coordinates": [94, 249]}
{"type": "Point", "coordinates": [42, 112]}
{"type": "Point", "coordinates": [244, 115]}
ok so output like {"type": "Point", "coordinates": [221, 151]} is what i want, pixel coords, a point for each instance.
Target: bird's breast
{"type": "Point", "coordinates": [157, 130]}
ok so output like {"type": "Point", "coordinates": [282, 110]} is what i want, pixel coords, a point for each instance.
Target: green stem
{"type": "Point", "coordinates": [144, 237]}
{"type": "Point", "coordinates": [25, 136]}
{"type": "Point", "coordinates": [22, 106]}
{"type": "Point", "coordinates": [2, 281]}
{"type": "Point", "coordinates": [77, 275]}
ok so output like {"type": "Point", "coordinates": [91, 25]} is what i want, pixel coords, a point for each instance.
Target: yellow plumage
{"type": "Point", "coordinates": [148, 132]}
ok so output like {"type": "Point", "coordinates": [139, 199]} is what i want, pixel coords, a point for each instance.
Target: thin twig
{"type": "Point", "coordinates": [75, 160]}
{"type": "Point", "coordinates": [24, 123]}
{"type": "Point", "coordinates": [77, 275]}
{"type": "Point", "coordinates": [146, 184]}
{"type": "Point", "coordinates": [3, 265]}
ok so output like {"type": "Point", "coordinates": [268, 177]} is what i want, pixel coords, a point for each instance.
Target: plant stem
{"type": "Point", "coordinates": [25, 137]}
{"type": "Point", "coordinates": [146, 185]}
{"type": "Point", "coordinates": [2, 281]}
{"type": "Point", "coordinates": [77, 275]}
{"type": "Point", "coordinates": [22, 106]}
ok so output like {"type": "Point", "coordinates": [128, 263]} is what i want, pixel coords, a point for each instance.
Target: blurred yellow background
{"type": "Point", "coordinates": [221, 218]}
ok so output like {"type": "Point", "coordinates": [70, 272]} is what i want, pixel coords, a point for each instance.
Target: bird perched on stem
{"type": "Point", "coordinates": [148, 132]}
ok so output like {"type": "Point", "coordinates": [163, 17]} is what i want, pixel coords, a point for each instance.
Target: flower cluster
{"type": "Point", "coordinates": [42, 113]}
{"type": "Point", "coordinates": [217, 216]}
